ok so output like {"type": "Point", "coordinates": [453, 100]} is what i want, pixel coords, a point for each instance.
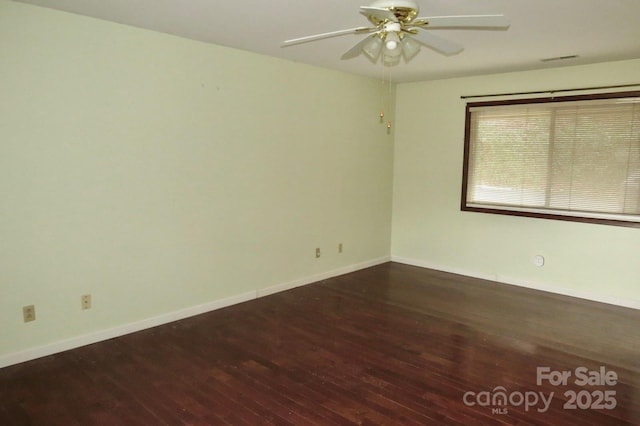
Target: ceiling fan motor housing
{"type": "Point", "coordinates": [405, 10]}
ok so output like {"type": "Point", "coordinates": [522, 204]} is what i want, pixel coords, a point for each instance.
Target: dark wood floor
{"type": "Point", "coordinates": [392, 344]}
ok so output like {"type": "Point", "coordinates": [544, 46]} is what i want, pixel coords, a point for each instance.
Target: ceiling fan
{"type": "Point", "coordinates": [398, 31]}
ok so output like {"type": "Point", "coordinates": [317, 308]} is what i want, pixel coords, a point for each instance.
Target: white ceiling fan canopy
{"type": "Point", "coordinates": [381, 11]}
{"type": "Point", "coordinates": [395, 3]}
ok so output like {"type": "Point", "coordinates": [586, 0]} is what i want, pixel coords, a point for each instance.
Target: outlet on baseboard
{"type": "Point", "coordinates": [340, 248]}
{"type": "Point", "coordinates": [317, 253]}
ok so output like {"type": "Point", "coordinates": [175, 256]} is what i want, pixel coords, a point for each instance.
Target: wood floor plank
{"type": "Point", "coordinates": [391, 344]}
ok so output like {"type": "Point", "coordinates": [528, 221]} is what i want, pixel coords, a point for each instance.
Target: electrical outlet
{"type": "Point", "coordinates": [340, 248]}
{"type": "Point", "coordinates": [317, 252]}
{"type": "Point", "coordinates": [29, 313]}
{"type": "Point", "coordinates": [86, 301]}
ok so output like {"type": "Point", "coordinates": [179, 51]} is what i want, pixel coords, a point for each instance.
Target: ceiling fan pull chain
{"type": "Point", "coordinates": [382, 102]}
{"type": "Point", "coordinates": [388, 94]}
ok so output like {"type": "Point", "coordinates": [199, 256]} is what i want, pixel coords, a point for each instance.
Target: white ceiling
{"type": "Point", "coordinates": [596, 30]}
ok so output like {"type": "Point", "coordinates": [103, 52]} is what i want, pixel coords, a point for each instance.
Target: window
{"type": "Point", "coordinates": [571, 158]}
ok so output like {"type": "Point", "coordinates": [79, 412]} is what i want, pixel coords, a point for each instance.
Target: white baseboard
{"type": "Point", "coordinates": [99, 336]}
{"type": "Point", "coordinates": [324, 276]}
{"type": "Point", "coordinates": [594, 297]}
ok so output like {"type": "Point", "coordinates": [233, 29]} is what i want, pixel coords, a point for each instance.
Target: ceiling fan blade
{"type": "Point", "coordinates": [358, 48]}
{"type": "Point", "coordinates": [378, 13]}
{"type": "Point", "coordinates": [464, 21]}
{"type": "Point", "coordinates": [359, 30]}
{"type": "Point", "coordinates": [440, 44]}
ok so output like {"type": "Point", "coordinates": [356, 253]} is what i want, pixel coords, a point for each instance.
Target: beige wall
{"type": "Point", "coordinates": [158, 173]}
{"type": "Point", "coordinates": [595, 261]}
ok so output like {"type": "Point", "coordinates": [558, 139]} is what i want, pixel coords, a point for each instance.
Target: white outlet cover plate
{"type": "Point", "coordinates": [538, 260]}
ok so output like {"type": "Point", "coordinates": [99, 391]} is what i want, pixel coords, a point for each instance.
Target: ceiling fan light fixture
{"type": "Point", "coordinates": [389, 60]}
{"type": "Point", "coordinates": [373, 48]}
{"type": "Point", "coordinates": [410, 48]}
{"type": "Point", "coordinates": [391, 57]}
{"type": "Point", "coordinates": [392, 41]}
{"type": "Point", "coordinates": [392, 45]}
